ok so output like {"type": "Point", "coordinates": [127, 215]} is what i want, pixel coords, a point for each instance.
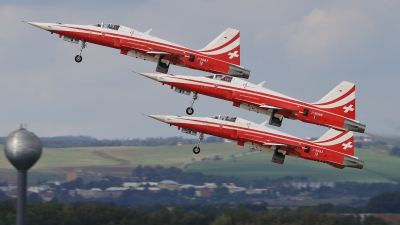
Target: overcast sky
{"type": "Point", "coordinates": [302, 49]}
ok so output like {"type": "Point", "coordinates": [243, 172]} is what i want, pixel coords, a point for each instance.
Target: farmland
{"type": "Point", "coordinates": [55, 162]}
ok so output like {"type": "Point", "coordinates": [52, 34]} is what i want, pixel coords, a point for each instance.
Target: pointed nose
{"type": "Point", "coordinates": [161, 118]}
{"type": "Point", "coordinates": [44, 26]}
{"type": "Point", "coordinates": [152, 76]}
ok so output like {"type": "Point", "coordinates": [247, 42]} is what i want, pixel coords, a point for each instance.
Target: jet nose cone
{"type": "Point", "coordinates": [44, 26]}
{"type": "Point", "coordinates": [152, 76]}
{"type": "Point", "coordinates": [161, 118]}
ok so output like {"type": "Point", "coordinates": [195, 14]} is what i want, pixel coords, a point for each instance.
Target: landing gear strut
{"type": "Point", "coordinates": [278, 157]}
{"type": "Point", "coordinates": [196, 149]}
{"type": "Point", "coordinates": [190, 109]}
{"type": "Point", "coordinates": [78, 58]}
{"type": "Point", "coordinates": [275, 120]}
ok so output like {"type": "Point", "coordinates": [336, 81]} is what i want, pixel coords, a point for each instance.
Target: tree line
{"type": "Point", "coordinates": [223, 214]}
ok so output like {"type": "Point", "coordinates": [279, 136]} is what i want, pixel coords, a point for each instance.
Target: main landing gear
{"type": "Point", "coordinates": [196, 149]}
{"type": "Point", "coordinates": [190, 109]}
{"type": "Point", "coordinates": [78, 58]}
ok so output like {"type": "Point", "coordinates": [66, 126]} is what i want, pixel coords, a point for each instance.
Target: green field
{"type": "Point", "coordinates": [55, 162]}
{"type": "Point", "coordinates": [378, 167]}
{"type": "Point", "coordinates": [107, 160]}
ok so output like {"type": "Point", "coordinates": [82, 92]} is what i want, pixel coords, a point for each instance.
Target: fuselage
{"type": "Point", "coordinates": [256, 98]}
{"type": "Point", "coordinates": [260, 137]}
{"type": "Point", "coordinates": [141, 45]}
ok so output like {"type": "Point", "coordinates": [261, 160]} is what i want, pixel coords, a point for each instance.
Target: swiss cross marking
{"type": "Point", "coordinates": [233, 54]}
{"type": "Point", "coordinates": [348, 108]}
{"type": "Point", "coordinates": [347, 145]}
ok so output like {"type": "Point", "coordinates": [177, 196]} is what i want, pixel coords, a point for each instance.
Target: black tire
{"type": "Point", "coordinates": [196, 150]}
{"type": "Point", "coordinates": [78, 58]}
{"type": "Point", "coordinates": [189, 110]}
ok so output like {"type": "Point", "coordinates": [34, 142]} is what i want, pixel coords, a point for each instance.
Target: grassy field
{"type": "Point", "coordinates": [113, 160]}
{"type": "Point", "coordinates": [121, 160]}
{"type": "Point", "coordinates": [378, 168]}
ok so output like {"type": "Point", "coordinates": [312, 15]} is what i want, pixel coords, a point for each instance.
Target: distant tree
{"type": "Point", "coordinates": [384, 203]}
{"type": "Point", "coordinates": [74, 184]}
{"type": "Point", "coordinates": [395, 151]}
{"type": "Point", "coordinates": [34, 197]}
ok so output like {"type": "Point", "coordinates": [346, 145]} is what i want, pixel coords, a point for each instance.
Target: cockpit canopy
{"type": "Point", "coordinates": [221, 77]}
{"type": "Point", "coordinates": [225, 118]}
{"type": "Point", "coordinates": [107, 25]}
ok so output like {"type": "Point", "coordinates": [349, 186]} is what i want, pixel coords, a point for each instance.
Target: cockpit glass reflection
{"type": "Point", "coordinates": [225, 118]}
{"type": "Point", "coordinates": [222, 77]}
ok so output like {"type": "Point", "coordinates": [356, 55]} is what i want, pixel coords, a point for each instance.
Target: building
{"type": "Point", "coordinates": [204, 193]}
{"type": "Point", "coordinates": [168, 184]}
{"type": "Point", "coordinates": [232, 188]}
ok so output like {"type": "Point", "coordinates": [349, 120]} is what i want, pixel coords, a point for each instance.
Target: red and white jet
{"type": "Point", "coordinates": [336, 110]}
{"type": "Point", "coordinates": [222, 55]}
{"type": "Point", "coordinates": [335, 148]}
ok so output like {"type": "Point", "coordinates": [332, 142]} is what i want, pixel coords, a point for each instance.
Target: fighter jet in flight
{"type": "Point", "coordinates": [336, 110]}
{"type": "Point", "coordinates": [335, 148]}
{"type": "Point", "coordinates": [222, 55]}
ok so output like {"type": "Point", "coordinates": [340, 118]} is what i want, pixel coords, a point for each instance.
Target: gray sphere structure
{"type": "Point", "coordinates": [23, 149]}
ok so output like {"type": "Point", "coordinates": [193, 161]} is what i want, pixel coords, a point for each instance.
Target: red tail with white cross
{"type": "Point", "coordinates": [341, 100]}
{"type": "Point", "coordinates": [341, 141]}
{"type": "Point", "coordinates": [225, 47]}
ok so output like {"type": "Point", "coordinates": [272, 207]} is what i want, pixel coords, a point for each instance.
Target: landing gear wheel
{"type": "Point", "coordinates": [196, 150]}
{"type": "Point", "coordinates": [78, 58]}
{"type": "Point", "coordinates": [189, 110]}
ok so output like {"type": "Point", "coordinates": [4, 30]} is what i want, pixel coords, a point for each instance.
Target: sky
{"type": "Point", "coordinates": [302, 49]}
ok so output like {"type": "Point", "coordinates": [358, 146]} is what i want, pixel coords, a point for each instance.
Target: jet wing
{"type": "Point", "coordinates": [273, 144]}
{"type": "Point", "coordinates": [255, 138]}
{"type": "Point", "coordinates": [133, 45]}
{"type": "Point", "coordinates": [163, 52]}
{"type": "Point", "coordinates": [268, 106]}
{"type": "Point", "coordinates": [160, 53]}
{"type": "Point", "coordinates": [265, 106]}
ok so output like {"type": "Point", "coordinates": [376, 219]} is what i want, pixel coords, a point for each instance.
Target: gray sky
{"type": "Point", "coordinates": [302, 49]}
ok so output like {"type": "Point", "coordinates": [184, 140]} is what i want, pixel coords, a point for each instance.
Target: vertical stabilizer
{"type": "Point", "coordinates": [225, 47]}
{"type": "Point", "coordinates": [341, 100]}
{"type": "Point", "coordinates": [341, 141]}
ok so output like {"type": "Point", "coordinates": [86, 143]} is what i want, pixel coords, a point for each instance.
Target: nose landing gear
{"type": "Point", "coordinates": [78, 58]}
{"type": "Point", "coordinates": [196, 149]}
{"type": "Point", "coordinates": [190, 109]}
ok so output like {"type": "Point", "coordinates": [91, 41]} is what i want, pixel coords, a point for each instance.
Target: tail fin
{"type": "Point", "coordinates": [225, 47]}
{"type": "Point", "coordinates": [341, 100]}
{"type": "Point", "coordinates": [340, 141]}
